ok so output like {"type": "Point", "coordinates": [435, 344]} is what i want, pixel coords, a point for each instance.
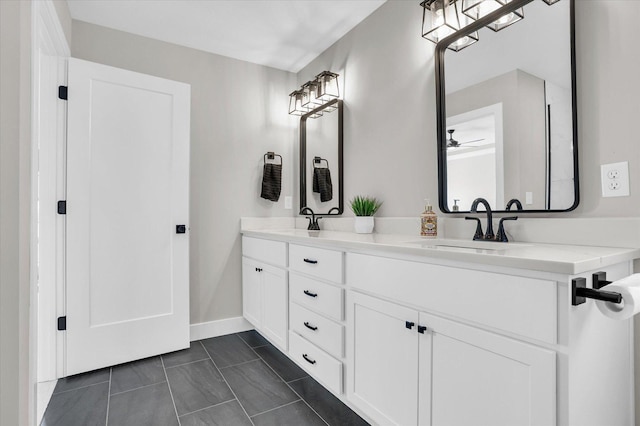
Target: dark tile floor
{"type": "Point", "coordinates": [239, 379]}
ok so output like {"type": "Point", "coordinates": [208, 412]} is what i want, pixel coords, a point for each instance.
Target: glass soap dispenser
{"type": "Point", "coordinates": [428, 221]}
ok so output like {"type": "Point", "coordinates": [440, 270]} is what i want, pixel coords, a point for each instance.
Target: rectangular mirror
{"type": "Point", "coordinates": [321, 163]}
{"type": "Point", "coordinates": [506, 113]}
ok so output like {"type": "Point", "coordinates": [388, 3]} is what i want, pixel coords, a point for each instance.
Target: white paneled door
{"type": "Point", "coordinates": [127, 267]}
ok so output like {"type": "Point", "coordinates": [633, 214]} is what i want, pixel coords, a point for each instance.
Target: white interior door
{"type": "Point", "coordinates": [127, 190]}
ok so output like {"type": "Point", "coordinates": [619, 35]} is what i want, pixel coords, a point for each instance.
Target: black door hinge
{"type": "Point", "coordinates": [62, 93]}
{"type": "Point", "coordinates": [62, 323]}
{"type": "Point", "coordinates": [62, 207]}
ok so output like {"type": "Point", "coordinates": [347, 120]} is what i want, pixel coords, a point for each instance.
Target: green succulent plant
{"type": "Point", "coordinates": [364, 205]}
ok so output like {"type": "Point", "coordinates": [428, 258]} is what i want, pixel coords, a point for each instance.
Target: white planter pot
{"type": "Point", "coordinates": [363, 224]}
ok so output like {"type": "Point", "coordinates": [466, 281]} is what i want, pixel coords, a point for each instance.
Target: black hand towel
{"type": "Point", "coordinates": [271, 181]}
{"type": "Point", "coordinates": [322, 183]}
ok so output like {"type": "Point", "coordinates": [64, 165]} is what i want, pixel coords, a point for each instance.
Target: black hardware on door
{"type": "Point", "coordinates": [310, 327]}
{"type": "Point", "coordinates": [599, 280]}
{"type": "Point", "coordinates": [62, 207]}
{"type": "Point", "coordinates": [313, 262]}
{"type": "Point", "coordinates": [308, 293]}
{"type": "Point", "coordinates": [63, 93]}
{"type": "Point", "coordinates": [422, 329]}
{"type": "Point", "coordinates": [62, 323]}
{"type": "Point", "coordinates": [409, 324]}
{"type": "Point", "coordinates": [258, 269]}
{"type": "Point", "coordinates": [306, 358]}
{"type": "Point", "coordinates": [181, 229]}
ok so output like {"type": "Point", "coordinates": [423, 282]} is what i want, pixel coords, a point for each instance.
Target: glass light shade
{"type": "Point", "coordinates": [296, 100]}
{"type": "Point", "coordinates": [439, 19]}
{"type": "Point", "coordinates": [310, 89]}
{"type": "Point", "coordinates": [550, 2]}
{"type": "Point", "coordinates": [477, 9]}
{"type": "Point", "coordinates": [327, 86]}
{"type": "Point", "coordinates": [463, 42]}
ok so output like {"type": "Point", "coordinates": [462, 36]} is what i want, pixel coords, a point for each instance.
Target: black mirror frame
{"type": "Point", "coordinates": [334, 211]}
{"type": "Point", "coordinates": [439, 53]}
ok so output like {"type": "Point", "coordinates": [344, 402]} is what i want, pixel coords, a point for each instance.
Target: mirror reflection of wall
{"type": "Point", "coordinates": [322, 142]}
{"type": "Point", "coordinates": [513, 87]}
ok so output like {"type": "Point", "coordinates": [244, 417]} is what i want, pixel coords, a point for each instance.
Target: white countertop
{"type": "Point", "coordinates": [565, 259]}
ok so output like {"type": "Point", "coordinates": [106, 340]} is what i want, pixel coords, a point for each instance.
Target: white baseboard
{"type": "Point", "coordinates": [206, 330]}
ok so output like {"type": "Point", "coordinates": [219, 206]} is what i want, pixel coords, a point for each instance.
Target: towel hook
{"type": "Point", "coordinates": [271, 156]}
{"type": "Point", "coordinates": [319, 160]}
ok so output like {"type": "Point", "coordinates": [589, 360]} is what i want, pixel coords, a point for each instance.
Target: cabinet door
{"type": "Point", "coordinates": [469, 376]}
{"type": "Point", "coordinates": [383, 360]}
{"type": "Point", "coordinates": [251, 292]}
{"type": "Point", "coordinates": [275, 303]}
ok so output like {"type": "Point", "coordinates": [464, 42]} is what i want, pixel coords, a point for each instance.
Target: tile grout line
{"type": "Point", "coordinates": [187, 363]}
{"type": "Point", "coordinates": [276, 408]}
{"type": "Point", "coordinates": [241, 363]}
{"type": "Point", "coordinates": [81, 387]}
{"type": "Point", "coordinates": [227, 383]}
{"type": "Point", "coordinates": [292, 389]}
{"type": "Point", "coordinates": [106, 421]}
{"type": "Point", "coordinates": [175, 409]}
{"type": "Point", "coordinates": [210, 406]}
{"type": "Point", "coordinates": [138, 388]}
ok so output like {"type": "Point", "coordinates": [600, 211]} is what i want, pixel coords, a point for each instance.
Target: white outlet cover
{"type": "Point", "coordinates": [288, 202]}
{"type": "Point", "coordinates": [615, 179]}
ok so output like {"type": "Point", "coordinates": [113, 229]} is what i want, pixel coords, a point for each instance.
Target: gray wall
{"type": "Point", "coordinates": [15, 196]}
{"type": "Point", "coordinates": [238, 112]}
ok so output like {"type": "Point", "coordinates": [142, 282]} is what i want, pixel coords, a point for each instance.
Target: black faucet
{"type": "Point", "coordinates": [474, 209]}
{"type": "Point", "coordinates": [313, 220]}
{"type": "Point", "coordinates": [502, 235]}
{"type": "Point", "coordinates": [512, 202]}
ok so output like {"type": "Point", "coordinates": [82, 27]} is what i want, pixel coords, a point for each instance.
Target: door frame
{"type": "Point", "coordinates": [47, 227]}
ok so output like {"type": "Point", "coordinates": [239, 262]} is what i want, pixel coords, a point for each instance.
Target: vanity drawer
{"type": "Point", "coordinates": [325, 333]}
{"type": "Point", "coordinates": [322, 366]}
{"type": "Point", "coordinates": [321, 263]}
{"type": "Point", "coordinates": [521, 305]}
{"type": "Point", "coordinates": [316, 295]}
{"type": "Point", "coordinates": [268, 251]}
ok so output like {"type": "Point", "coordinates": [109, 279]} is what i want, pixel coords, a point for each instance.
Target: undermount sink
{"type": "Point", "coordinates": [448, 244]}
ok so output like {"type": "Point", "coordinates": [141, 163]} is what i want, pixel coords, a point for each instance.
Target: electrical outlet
{"type": "Point", "coordinates": [288, 202]}
{"type": "Point", "coordinates": [615, 179]}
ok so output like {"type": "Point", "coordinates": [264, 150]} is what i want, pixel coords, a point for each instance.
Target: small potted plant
{"type": "Point", "coordinates": [364, 208]}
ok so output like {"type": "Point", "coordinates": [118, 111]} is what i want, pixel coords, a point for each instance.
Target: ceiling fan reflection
{"type": "Point", "coordinates": [452, 143]}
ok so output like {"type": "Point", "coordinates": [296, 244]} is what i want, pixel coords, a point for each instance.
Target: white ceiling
{"type": "Point", "coordinates": [284, 34]}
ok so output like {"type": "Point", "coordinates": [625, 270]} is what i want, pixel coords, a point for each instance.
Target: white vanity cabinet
{"type": "Point", "coordinates": [316, 313]}
{"type": "Point", "coordinates": [265, 289]}
{"type": "Point", "coordinates": [406, 336]}
{"type": "Point", "coordinates": [408, 367]}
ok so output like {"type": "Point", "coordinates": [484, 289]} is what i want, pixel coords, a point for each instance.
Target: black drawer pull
{"type": "Point", "coordinates": [310, 327]}
{"type": "Point", "coordinates": [258, 269]}
{"type": "Point", "coordinates": [308, 293]}
{"type": "Point", "coordinates": [313, 262]}
{"type": "Point", "coordinates": [409, 324]}
{"type": "Point", "coordinates": [306, 358]}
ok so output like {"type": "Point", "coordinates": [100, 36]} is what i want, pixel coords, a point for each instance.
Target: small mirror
{"type": "Point", "coordinates": [506, 115]}
{"type": "Point", "coordinates": [321, 183]}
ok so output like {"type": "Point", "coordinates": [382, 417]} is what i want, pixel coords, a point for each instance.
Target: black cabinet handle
{"type": "Point", "coordinates": [258, 269]}
{"type": "Point", "coordinates": [306, 358]}
{"type": "Point", "coordinates": [313, 262]}
{"type": "Point", "coordinates": [310, 327]}
{"type": "Point", "coordinates": [422, 329]}
{"type": "Point", "coordinates": [308, 293]}
{"type": "Point", "coordinates": [409, 324]}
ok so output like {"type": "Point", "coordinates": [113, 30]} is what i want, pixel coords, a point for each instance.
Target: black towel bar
{"type": "Point", "coordinates": [271, 156]}
{"type": "Point", "coordinates": [319, 160]}
{"type": "Point", "coordinates": [580, 293]}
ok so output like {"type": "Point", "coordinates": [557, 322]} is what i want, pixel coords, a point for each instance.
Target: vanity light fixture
{"type": "Point", "coordinates": [550, 2]}
{"type": "Point", "coordinates": [477, 9]}
{"type": "Point", "coordinates": [296, 101]}
{"type": "Point", "coordinates": [314, 94]}
{"type": "Point", "coordinates": [441, 18]}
